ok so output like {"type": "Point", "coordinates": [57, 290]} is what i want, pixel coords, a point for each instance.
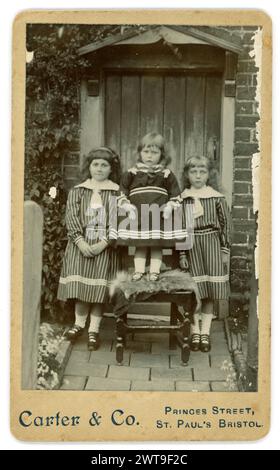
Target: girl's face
{"type": "Point", "coordinates": [198, 176]}
{"type": "Point", "coordinates": [100, 169]}
{"type": "Point", "coordinates": [150, 155]}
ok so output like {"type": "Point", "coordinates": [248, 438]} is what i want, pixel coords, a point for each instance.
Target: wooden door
{"type": "Point", "coordinates": [184, 108]}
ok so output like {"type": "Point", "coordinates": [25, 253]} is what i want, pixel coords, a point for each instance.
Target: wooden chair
{"type": "Point", "coordinates": [179, 323]}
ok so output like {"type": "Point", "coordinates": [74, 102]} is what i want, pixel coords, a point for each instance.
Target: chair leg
{"type": "Point", "coordinates": [185, 348]}
{"type": "Point", "coordinates": [173, 321]}
{"type": "Point", "coordinates": [120, 330]}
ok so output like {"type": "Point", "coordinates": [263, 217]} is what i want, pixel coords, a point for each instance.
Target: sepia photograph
{"type": "Point", "coordinates": [153, 115]}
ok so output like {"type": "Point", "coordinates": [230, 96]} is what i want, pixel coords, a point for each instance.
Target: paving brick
{"type": "Point", "coordinates": [192, 386]}
{"type": "Point", "coordinates": [162, 338]}
{"type": "Point", "coordinates": [80, 344]}
{"type": "Point", "coordinates": [107, 358]}
{"type": "Point", "coordinates": [106, 345]}
{"type": "Point", "coordinates": [85, 369]}
{"type": "Point", "coordinates": [158, 348]}
{"type": "Point", "coordinates": [73, 382]}
{"type": "Point", "coordinates": [82, 356]}
{"type": "Point", "coordinates": [197, 359]}
{"type": "Point", "coordinates": [107, 384]}
{"type": "Point", "coordinates": [154, 385]}
{"type": "Point", "coordinates": [135, 346]}
{"type": "Point", "coordinates": [209, 373]}
{"type": "Point", "coordinates": [175, 374]}
{"type": "Point", "coordinates": [149, 360]}
{"type": "Point", "coordinates": [108, 335]}
{"type": "Point", "coordinates": [218, 337]}
{"type": "Point", "coordinates": [129, 373]}
{"type": "Point", "coordinates": [223, 387]}
{"type": "Point", "coordinates": [219, 348]}
{"type": "Point", "coordinates": [217, 325]}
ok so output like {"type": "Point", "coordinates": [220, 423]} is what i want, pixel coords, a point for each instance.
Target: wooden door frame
{"type": "Point", "coordinates": [93, 110]}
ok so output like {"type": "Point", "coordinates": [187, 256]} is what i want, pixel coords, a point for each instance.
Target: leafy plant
{"type": "Point", "coordinates": [47, 365]}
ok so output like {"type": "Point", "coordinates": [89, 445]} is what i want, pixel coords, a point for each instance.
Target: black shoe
{"type": "Point", "coordinates": [74, 332]}
{"type": "Point", "coordinates": [205, 344]}
{"type": "Point", "coordinates": [195, 342]}
{"type": "Point", "coordinates": [93, 341]}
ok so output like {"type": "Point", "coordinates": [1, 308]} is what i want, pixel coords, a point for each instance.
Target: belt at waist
{"type": "Point", "coordinates": [199, 231]}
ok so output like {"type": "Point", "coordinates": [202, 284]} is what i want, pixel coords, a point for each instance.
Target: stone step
{"type": "Point", "coordinates": [172, 374]}
{"type": "Point", "coordinates": [107, 384]}
{"type": "Point", "coordinates": [85, 369]}
{"type": "Point", "coordinates": [129, 373]}
{"type": "Point", "coordinates": [155, 385]}
{"type": "Point", "coordinates": [107, 358]}
{"type": "Point", "coordinates": [73, 382]}
{"type": "Point", "coordinates": [184, 386]}
{"type": "Point", "coordinates": [149, 360]}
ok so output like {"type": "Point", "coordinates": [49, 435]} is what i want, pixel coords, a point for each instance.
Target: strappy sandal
{"type": "Point", "coordinates": [205, 344]}
{"type": "Point", "coordinates": [74, 332]}
{"type": "Point", "coordinates": [93, 341]}
{"type": "Point", "coordinates": [137, 276]}
{"type": "Point", "coordinates": [195, 342]}
{"type": "Point", "coordinates": [154, 276]}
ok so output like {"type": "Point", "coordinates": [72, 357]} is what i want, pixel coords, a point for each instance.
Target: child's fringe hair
{"type": "Point", "coordinates": [103, 153]}
{"type": "Point", "coordinates": [154, 139]}
{"type": "Point", "coordinates": [202, 161]}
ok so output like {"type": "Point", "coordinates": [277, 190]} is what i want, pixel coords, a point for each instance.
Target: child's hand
{"type": "Point", "coordinates": [84, 248]}
{"type": "Point", "coordinates": [98, 247]}
{"type": "Point", "coordinates": [167, 211]}
{"type": "Point", "coordinates": [132, 213]}
{"type": "Point", "coordinates": [183, 263]}
{"type": "Point", "coordinates": [131, 210]}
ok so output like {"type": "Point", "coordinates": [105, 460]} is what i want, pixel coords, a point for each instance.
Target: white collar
{"type": "Point", "coordinates": [90, 183]}
{"type": "Point", "coordinates": [204, 193]}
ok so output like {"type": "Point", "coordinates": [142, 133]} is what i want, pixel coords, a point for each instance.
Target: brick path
{"type": "Point", "coordinates": [148, 364]}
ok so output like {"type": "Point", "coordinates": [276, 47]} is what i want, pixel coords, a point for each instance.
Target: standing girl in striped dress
{"type": "Point", "coordinates": [149, 193]}
{"type": "Point", "coordinates": [210, 252]}
{"type": "Point", "coordinates": [90, 261]}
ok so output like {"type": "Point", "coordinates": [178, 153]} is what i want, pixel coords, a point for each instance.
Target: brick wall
{"type": "Point", "coordinates": [245, 145]}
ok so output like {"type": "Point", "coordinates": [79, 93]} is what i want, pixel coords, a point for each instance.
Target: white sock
{"type": "Point", "coordinates": [155, 265]}
{"type": "Point", "coordinates": [94, 323]}
{"type": "Point", "coordinates": [139, 264]}
{"type": "Point", "coordinates": [80, 319]}
{"type": "Point", "coordinates": [195, 328]}
{"type": "Point", "coordinates": [206, 323]}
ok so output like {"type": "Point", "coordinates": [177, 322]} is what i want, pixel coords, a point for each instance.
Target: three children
{"type": "Point", "coordinates": [90, 262]}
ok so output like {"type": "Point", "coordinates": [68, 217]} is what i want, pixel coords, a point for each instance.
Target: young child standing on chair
{"type": "Point", "coordinates": [90, 262]}
{"type": "Point", "coordinates": [149, 184]}
{"type": "Point", "coordinates": [211, 245]}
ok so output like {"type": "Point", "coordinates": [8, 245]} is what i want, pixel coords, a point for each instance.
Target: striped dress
{"type": "Point", "coordinates": [82, 278]}
{"type": "Point", "coordinates": [149, 190]}
{"type": "Point", "coordinates": [211, 238]}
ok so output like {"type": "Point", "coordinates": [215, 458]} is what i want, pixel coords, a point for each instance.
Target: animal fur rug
{"type": "Point", "coordinates": [169, 282]}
